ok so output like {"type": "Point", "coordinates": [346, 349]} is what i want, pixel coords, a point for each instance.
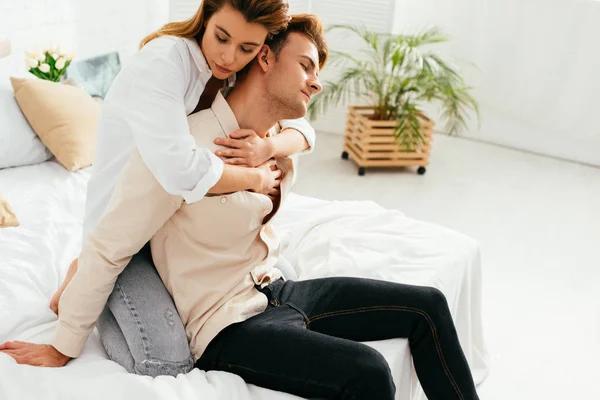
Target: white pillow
{"type": "Point", "coordinates": [19, 145]}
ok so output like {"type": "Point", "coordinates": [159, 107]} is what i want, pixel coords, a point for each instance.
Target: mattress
{"type": "Point", "coordinates": [320, 238]}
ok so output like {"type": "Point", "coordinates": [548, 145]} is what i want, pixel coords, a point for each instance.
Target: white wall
{"type": "Point", "coordinates": [537, 82]}
{"type": "Point", "coordinates": [538, 68]}
{"type": "Point", "coordinates": [89, 27]}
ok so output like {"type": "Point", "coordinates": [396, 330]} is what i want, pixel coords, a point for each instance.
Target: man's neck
{"type": "Point", "coordinates": [251, 108]}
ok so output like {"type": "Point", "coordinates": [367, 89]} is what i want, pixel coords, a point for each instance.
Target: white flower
{"type": "Point", "coordinates": [45, 68]}
{"type": "Point", "coordinates": [31, 62]}
{"type": "Point", "coordinates": [55, 56]}
{"type": "Point", "coordinates": [55, 48]}
{"type": "Point", "coordinates": [40, 56]}
{"type": "Point", "coordinates": [60, 63]}
{"type": "Point", "coordinates": [68, 55]}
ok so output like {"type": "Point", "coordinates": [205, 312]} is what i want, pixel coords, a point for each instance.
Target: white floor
{"type": "Point", "coordinates": [538, 222]}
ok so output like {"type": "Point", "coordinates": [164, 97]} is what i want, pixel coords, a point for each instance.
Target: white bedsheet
{"type": "Point", "coordinates": [322, 239]}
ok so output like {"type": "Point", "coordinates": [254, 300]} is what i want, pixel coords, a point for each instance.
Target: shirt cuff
{"type": "Point", "coordinates": [209, 180]}
{"type": "Point", "coordinates": [311, 140]}
{"type": "Point", "coordinates": [67, 342]}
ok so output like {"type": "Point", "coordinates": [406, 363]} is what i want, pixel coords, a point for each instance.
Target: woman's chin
{"type": "Point", "coordinates": [220, 74]}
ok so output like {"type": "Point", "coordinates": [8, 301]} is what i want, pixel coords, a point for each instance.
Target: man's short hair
{"type": "Point", "coordinates": [308, 25]}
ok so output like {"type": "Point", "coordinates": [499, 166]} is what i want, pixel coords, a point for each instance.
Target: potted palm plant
{"type": "Point", "coordinates": [397, 78]}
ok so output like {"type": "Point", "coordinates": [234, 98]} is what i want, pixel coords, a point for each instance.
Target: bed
{"type": "Point", "coordinates": [320, 238]}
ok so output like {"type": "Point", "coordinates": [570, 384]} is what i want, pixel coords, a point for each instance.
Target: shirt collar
{"type": "Point", "coordinates": [224, 114]}
{"type": "Point", "coordinates": [200, 60]}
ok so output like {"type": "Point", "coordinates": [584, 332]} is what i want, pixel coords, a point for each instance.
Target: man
{"type": "Point", "coordinates": [240, 316]}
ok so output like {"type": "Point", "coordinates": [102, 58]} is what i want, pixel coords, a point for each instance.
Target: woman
{"type": "Point", "coordinates": [177, 72]}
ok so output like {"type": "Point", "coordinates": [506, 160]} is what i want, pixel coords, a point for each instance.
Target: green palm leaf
{"type": "Point", "coordinates": [397, 76]}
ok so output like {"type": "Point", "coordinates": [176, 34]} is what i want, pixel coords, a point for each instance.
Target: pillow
{"type": "Point", "coordinates": [63, 116]}
{"type": "Point", "coordinates": [19, 144]}
{"type": "Point", "coordinates": [7, 217]}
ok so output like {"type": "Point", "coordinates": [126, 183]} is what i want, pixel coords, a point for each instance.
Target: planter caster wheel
{"type": "Point", "coordinates": [421, 170]}
{"type": "Point", "coordinates": [344, 155]}
{"type": "Point", "coordinates": [361, 171]}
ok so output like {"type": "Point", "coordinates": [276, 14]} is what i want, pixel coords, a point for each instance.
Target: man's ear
{"type": "Point", "coordinates": [265, 57]}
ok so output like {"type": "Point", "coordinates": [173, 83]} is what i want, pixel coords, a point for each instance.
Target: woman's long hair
{"type": "Point", "coordinates": [273, 14]}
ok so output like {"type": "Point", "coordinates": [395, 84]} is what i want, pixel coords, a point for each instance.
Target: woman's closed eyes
{"type": "Point", "coordinates": [224, 40]}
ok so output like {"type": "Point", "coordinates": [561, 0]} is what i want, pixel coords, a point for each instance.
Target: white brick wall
{"type": "Point", "coordinates": [88, 27]}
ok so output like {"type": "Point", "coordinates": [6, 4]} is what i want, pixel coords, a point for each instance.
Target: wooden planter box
{"type": "Point", "coordinates": [371, 143]}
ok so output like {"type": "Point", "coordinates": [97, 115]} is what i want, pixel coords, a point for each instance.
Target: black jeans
{"type": "Point", "coordinates": [307, 341]}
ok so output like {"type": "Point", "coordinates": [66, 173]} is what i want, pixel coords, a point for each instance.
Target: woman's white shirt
{"type": "Point", "coordinates": [147, 107]}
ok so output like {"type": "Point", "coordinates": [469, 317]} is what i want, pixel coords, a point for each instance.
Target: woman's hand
{"type": "Point", "coordinates": [245, 148]}
{"type": "Point", "coordinates": [270, 179]}
{"type": "Point", "coordinates": [39, 355]}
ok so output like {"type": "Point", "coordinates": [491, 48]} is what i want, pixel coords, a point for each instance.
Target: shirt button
{"type": "Point", "coordinates": [223, 200]}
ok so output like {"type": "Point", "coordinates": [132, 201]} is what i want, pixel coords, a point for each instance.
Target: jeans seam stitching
{"type": "Point", "coordinates": [401, 308]}
{"type": "Point", "coordinates": [304, 316]}
{"type": "Point", "coordinates": [137, 321]}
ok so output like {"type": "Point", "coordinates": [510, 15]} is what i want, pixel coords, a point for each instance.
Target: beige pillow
{"type": "Point", "coordinates": [63, 116]}
{"type": "Point", "coordinates": [7, 217]}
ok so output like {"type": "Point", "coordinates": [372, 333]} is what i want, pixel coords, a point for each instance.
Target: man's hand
{"type": "Point", "coordinates": [39, 355]}
{"type": "Point", "coordinates": [245, 148]}
{"type": "Point", "coordinates": [270, 179]}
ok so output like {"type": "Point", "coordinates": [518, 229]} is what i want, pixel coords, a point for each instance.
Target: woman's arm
{"type": "Point", "coordinates": [235, 179]}
{"type": "Point", "coordinates": [245, 147]}
{"type": "Point", "coordinates": [302, 126]}
{"type": "Point", "coordinates": [262, 179]}
{"type": "Point", "coordinates": [150, 95]}
{"type": "Point", "coordinates": [288, 142]}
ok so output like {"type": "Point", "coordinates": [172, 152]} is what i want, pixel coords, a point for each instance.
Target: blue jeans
{"type": "Point", "coordinates": [307, 342]}
{"type": "Point", "coordinates": [140, 327]}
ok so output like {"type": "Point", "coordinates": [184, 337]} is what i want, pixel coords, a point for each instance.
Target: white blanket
{"type": "Point", "coordinates": [322, 239]}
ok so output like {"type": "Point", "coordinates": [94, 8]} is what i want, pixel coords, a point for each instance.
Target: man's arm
{"type": "Point", "coordinates": [138, 208]}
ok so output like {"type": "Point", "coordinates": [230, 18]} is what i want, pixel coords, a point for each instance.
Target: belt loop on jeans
{"type": "Point", "coordinates": [269, 289]}
{"type": "Point", "coordinates": [266, 291]}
